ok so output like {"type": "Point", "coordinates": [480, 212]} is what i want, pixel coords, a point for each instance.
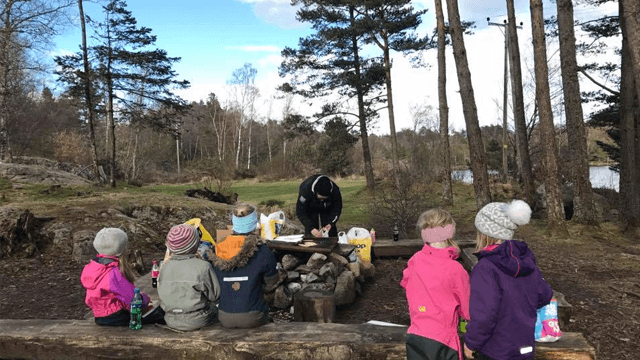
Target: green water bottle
{"type": "Point", "coordinates": [136, 310]}
{"type": "Point", "coordinates": [462, 326]}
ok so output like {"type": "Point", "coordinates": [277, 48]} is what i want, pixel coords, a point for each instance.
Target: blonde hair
{"type": "Point", "coordinates": [242, 210]}
{"type": "Point", "coordinates": [436, 218]}
{"type": "Point", "coordinates": [482, 241]}
{"type": "Point", "coordinates": [125, 267]}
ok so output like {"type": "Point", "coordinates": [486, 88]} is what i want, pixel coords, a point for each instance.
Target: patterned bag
{"type": "Point", "coordinates": [547, 326]}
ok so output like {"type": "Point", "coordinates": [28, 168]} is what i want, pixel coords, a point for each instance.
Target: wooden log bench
{"type": "Point", "coordinates": [406, 247]}
{"type": "Point", "coordinates": [78, 339]}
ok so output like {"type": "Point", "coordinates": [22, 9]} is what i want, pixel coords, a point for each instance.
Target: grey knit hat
{"type": "Point", "coordinates": [500, 220]}
{"type": "Point", "coordinates": [110, 241]}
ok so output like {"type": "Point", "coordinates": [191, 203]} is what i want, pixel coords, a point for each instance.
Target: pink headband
{"type": "Point", "coordinates": [438, 234]}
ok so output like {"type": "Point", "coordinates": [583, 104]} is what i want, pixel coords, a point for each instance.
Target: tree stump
{"type": "Point", "coordinates": [312, 305]}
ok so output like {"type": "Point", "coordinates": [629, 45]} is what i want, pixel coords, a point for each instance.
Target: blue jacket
{"type": "Point", "coordinates": [242, 265]}
{"type": "Point", "coordinates": [506, 290]}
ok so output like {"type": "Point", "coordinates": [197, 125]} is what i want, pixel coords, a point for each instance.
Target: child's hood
{"type": "Point", "coordinates": [94, 272]}
{"type": "Point", "coordinates": [234, 251]}
{"type": "Point", "coordinates": [512, 258]}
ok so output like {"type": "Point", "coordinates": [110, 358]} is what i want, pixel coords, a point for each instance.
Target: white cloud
{"type": "Point", "coordinates": [276, 12]}
{"type": "Point", "coordinates": [270, 61]}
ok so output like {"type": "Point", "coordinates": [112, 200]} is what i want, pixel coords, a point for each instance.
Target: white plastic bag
{"type": "Point", "coordinates": [271, 226]}
{"type": "Point", "coordinates": [342, 238]}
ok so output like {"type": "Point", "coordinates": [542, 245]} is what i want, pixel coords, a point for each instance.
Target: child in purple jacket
{"type": "Point", "coordinates": [506, 287]}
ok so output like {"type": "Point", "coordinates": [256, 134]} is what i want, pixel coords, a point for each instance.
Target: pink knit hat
{"type": "Point", "coordinates": [183, 239]}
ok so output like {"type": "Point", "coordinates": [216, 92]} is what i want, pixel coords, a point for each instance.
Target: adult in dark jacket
{"type": "Point", "coordinates": [319, 197]}
{"type": "Point", "coordinates": [244, 268]}
{"type": "Point", "coordinates": [506, 287]}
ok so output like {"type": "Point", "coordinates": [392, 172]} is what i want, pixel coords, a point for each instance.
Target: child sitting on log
{"type": "Point", "coordinates": [108, 279]}
{"type": "Point", "coordinates": [437, 291]}
{"type": "Point", "coordinates": [506, 287]}
{"type": "Point", "coordinates": [242, 264]}
{"type": "Point", "coordinates": [187, 286]}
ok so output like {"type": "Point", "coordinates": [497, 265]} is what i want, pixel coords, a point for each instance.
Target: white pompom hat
{"type": "Point", "coordinates": [500, 220]}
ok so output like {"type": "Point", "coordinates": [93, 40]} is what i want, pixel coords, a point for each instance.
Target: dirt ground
{"type": "Point", "coordinates": [600, 280]}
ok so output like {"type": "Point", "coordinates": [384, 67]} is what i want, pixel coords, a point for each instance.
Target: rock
{"type": "Point", "coordinates": [146, 214]}
{"type": "Point", "coordinates": [293, 276]}
{"type": "Point", "coordinates": [330, 279]}
{"type": "Point", "coordinates": [283, 298]}
{"type": "Point", "coordinates": [316, 261]}
{"type": "Point", "coordinates": [289, 262]}
{"type": "Point", "coordinates": [83, 251]}
{"type": "Point", "coordinates": [83, 235]}
{"type": "Point", "coordinates": [344, 249]}
{"type": "Point", "coordinates": [319, 286]}
{"type": "Point", "coordinates": [338, 260]}
{"type": "Point", "coordinates": [294, 287]}
{"type": "Point", "coordinates": [354, 267]}
{"type": "Point", "coordinates": [311, 278]}
{"type": "Point", "coordinates": [61, 233]}
{"type": "Point", "coordinates": [345, 290]}
{"type": "Point", "coordinates": [328, 269]}
{"type": "Point", "coordinates": [367, 269]}
{"type": "Point", "coordinates": [304, 269]}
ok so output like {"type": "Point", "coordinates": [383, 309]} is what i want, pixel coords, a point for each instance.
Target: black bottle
{"type": "Point", "coordinates": [395, 233]}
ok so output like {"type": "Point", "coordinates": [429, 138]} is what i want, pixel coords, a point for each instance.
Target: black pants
{"type": "Point", "coordinates": [422, 348]}
{"type": "Point", "coordinates": [325, 220]}
{"type": "Point", "coordinates": [122, 318]}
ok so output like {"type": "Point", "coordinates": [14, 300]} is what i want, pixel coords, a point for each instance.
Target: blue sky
{"type": "Point", "coordinates": [215, 37]}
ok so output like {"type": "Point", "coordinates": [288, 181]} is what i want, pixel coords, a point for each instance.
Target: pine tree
{"type": "Point", "coordinates": [329, 62]}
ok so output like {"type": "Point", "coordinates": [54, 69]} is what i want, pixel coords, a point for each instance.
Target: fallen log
{"type": "Point", "coordinates": [212, 196]}
{"type": "Point", "coordinates": [81, 339]}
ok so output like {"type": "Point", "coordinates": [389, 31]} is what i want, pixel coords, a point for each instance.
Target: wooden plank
{"type": "Point", "coordinates": [407, 247]}
{"type": "Point", "coordinates": [76, 339]}
{"type": "Point", "coordinates": [324, 245]}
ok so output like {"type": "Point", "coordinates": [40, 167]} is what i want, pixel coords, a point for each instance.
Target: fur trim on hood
{"type": "Point", "coordinates": [241, 258]}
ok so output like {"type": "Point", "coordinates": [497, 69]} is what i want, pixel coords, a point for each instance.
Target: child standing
{"type": "Point", "coordinates": [437, 291]}
{"type": "Point", "coordinates": [506, 287]}
{"type": "Point", "coordinates": [108, 279]}
{"type": "Point", "coordinates": [242, 265]}
{"type": "Point", "coordinates": [187, 286]}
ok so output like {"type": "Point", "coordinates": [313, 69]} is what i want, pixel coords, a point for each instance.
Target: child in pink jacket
{"type": "Point", "coordinates": [109, 281]}
{"type": "Point", "coordinates": [437, 289]}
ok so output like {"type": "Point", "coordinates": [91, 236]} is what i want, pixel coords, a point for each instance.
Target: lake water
{"type": "Point", "coordinates": [600, 176]}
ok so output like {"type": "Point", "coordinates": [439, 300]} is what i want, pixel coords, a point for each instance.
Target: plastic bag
{"type": "Point", "coordinates": [271, 226]}
{"type": "Point", "coordinates": [547, 327]}
{"type": "Point", "coordinates": [361, 238]}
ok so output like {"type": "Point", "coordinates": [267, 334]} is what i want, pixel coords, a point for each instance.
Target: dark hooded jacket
{"type": "Point", "coordinates": [309, 206]}
{"type": "Point", "coordinates": [506, 290]}
{"type": "Point", "coordinates": [242, 264]}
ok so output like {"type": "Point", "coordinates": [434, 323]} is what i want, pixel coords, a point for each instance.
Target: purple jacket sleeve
{"type": "Point", "coordinates": [484, 305]}
{"type": "Point", "coordinates": [545, 293]}
{"type": "Point", "coordinates": [123, 289]}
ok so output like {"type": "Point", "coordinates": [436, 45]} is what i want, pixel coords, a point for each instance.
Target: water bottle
{"type": "Point", "coordinates": [462, 326]}
{"type": "Point", "coordinates": [155, 270]}
{"type": "Point", "coordinates": [395, 232]}
{"type": "Point", "coordinates": [373, 235]}
{"type": "Point", "coordinates": [136, 310]}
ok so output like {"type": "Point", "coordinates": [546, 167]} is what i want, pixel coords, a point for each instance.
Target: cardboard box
{"type": "Point", "coordinates": [222, 234]}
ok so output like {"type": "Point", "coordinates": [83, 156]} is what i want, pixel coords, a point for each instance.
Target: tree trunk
{"type": "Point", "coordinates": [249, 146]}
{"type": "Point", "coordinates": [555, 209]}
{"type": "Point", "coordinates": [364, 136]}
{"type": "Point", "coordinates": [239, 142]}
{"type": "Point", "coordinates": [392, 122]}
{"type": "Point", "coordinates": [178, 152]}
{"type": "Point", "coordinates": [447, 191]}
{"type": "Point", "coordinates": [525, 168]}
{"type": "Point", "coordinates": [474, 136]}
{"type": "Point", "coordinates": [628, 127]}
{"type": "Point", "coordinates": [134, 171]}
{"type": "Point", "coordinates": [631, 17]}
{"type": "Point", "coordinates": [5, 155]}
{"type": "Point", "coordinates": [505, 98]}
{"type": "Point", "coordinates": [584, 210]}
{"type": "Point", "coordinates": [269, 142]}
{"type": "Point", "coordinates": [87, 93]}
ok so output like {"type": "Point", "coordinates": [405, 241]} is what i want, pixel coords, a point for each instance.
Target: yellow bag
{"type": "Point", "coordinates": [361, 238]}
{"type": "Point", "coordinates": [271, 226]}
{"type": "Point", "coordinates": [205, 234]}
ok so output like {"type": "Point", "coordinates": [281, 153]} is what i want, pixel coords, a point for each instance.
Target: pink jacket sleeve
{"type": "Point", "coordinates": [123, 289]}
{"type": "Point", "coordinates": [463, 293]}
